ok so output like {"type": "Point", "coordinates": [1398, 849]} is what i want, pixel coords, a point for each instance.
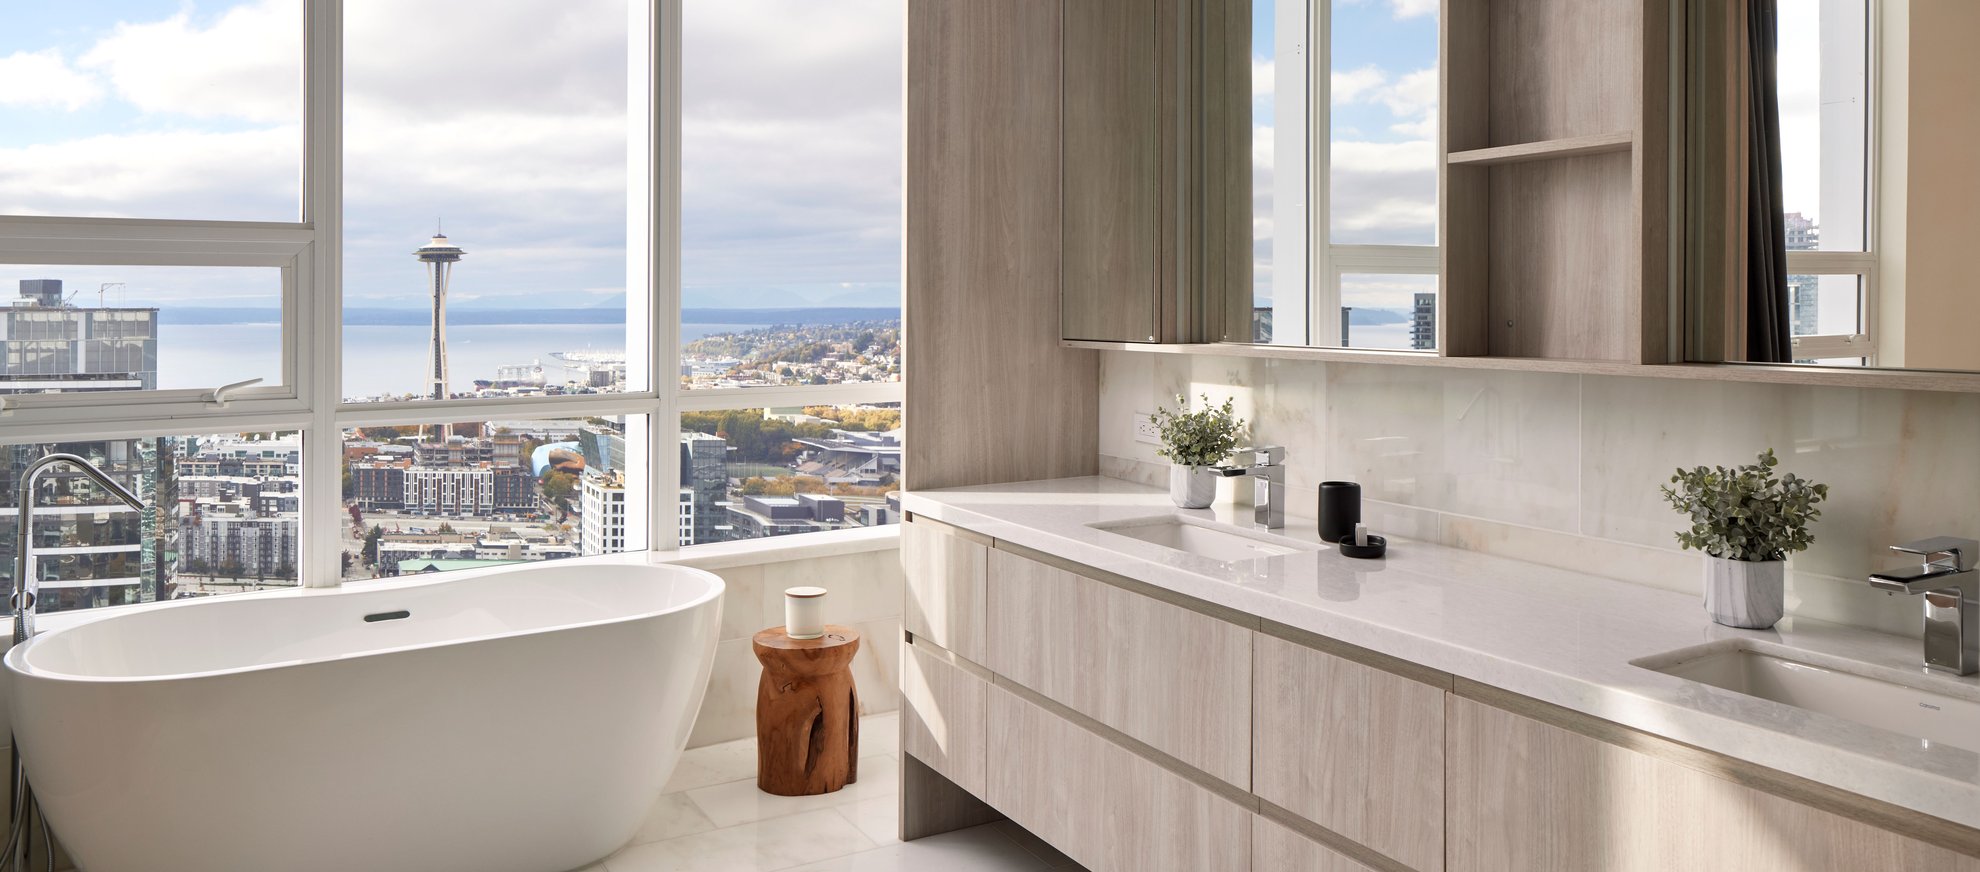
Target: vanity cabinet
{"type": "Point", "coordinates": [1177, 679]}
{"type": "Point", "coordinates": [947, 571]}
{"type": "Point", "coordinates": [1531, 796]}
{"type": "Point", "coordinates": [1352, 747]}
{"type": "Point", "coordinates": [944, 714]}
{"type": "Point", "coordinates": [1108, 808]}
{"type": "Point", "coordinates": [1276, 847]}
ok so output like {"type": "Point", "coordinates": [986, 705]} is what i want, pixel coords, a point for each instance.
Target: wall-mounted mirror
{"type": "Point", "coordinates": [1322, 163]}
{"type": "Point", "coordinates": [1830, 184]}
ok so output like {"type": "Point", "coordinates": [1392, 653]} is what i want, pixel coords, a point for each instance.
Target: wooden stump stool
{"type": "Point", "coordinates": [807, 712]}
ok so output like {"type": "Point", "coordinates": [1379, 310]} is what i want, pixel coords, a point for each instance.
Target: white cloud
{"type": "Point", "coordinates": [246, 64]}
{"type": "Point", "coordinates": [181, 174]}
{"type": "Point", "coordinates": [1413, 8]}
{"type": "Point", "coordinates": [1413, 94]}
{"type": "Point", "coordinates": [1352, 85]}
{"type": "Point", "coordinates": [44, 79]}
{"type": "Point", "coordinates": [1264, 78]}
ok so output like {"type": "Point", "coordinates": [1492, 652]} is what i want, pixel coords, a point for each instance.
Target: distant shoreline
{"type": "Point", "coordinates": [380, 317]}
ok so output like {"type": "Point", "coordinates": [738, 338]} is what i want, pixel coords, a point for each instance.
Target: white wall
{"type": "Point", "coordinates": [1564, 469]}
{"type": "Point", "coordinates": [865, 593]}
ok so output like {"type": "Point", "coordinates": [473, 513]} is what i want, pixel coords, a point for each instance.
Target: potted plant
{"type": "Point", "coordinates": [1747, 522]}
{"type": "Point", "coordinates": [1193, 442]}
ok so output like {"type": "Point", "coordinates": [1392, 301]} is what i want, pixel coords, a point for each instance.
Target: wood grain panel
{"type": "Point", "coordinates": [1563, 68]}
{"type": "Point", "coordinates": [1279, 849]}
{"type": "Point", "coordinates": [1173, 678]}
{"type": "Point", "coordinates": [1564, 274]}
{"type": "Point", "coordinates": [1113, 170]}
{"type": "Point", "coordinates": [944, 713]}
{"type": "Point", "coordinates": [947, 575]}
{"type": "Point", "coordinates": [1463, 293]}
{"type": "Point", "coordinates": [1529, 796]}
{"type": "Point", "coordinates": [1106, 808]}
{"type": "Point", "coordinates": [994, 396]}
{"type": "Point", "coordinates": [1355, 749]}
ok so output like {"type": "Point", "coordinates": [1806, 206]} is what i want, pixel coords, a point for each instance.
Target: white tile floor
{"type": "Point", "coordinates": [713, 818]}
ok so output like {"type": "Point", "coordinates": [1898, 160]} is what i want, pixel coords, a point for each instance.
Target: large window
{"type": "Point", "coordinates": [1345, 191]}
{"type": "Point", "coordinates": [1824, 80]}
{"type": "Point", "coordinates": [464, 286]}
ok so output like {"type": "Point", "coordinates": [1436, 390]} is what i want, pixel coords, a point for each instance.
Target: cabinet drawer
{"type": "Point", "coordinates": [944, 716]}
{"type": "Point", "coordinates": [946, 571]}
{"type": "Point", "coordinates": [1276, 848]}
{"type": "Point", "coordinates": [1104, 806]}
{"type": "Point", "coordinates": [1528, 796]}
{"type": "Point", "coordinates": [1173, 678]}
{"type": "Point", "coordinates": [1353, 748]}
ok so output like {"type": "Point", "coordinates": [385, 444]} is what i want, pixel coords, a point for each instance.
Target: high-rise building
{"type": "Point", "coordinates": [47, 345]}
{"type": "Point", "coordinates": [1423, 323]}
{"type": "Point", "coordinates": [90, 552]}
{"type": "Point", "coordinates": [602, 513]}
{"type": "Point", "coordinates": [439, 255]}
{"type": "Point", "coordinates": [705, 470]}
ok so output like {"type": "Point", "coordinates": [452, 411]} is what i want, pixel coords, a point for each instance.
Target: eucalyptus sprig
{"type": "Point", "coordinates": [1745, 513]}
{"type": "Point", "coordinates": [1200, 438]}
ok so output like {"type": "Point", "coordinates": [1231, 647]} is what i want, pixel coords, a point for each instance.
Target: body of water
{"type": "Point", "coordinates": [381, 360]}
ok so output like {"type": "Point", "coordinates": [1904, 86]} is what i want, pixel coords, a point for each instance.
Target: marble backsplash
{"type": "Point", "coordinates": [1564, 469]}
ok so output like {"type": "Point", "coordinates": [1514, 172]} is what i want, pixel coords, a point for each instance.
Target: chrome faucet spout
{"type": "Point", "coordinates": [1951, 587]}
{"type": "Point", "coordinates": [1268, 473]}
{"type": "Point", "coordinates": [26, 585]}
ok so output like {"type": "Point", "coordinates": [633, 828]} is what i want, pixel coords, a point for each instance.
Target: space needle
{"type": "Point", "coordinates": [439, 255]}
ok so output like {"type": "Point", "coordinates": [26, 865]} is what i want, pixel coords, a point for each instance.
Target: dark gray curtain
{"type": "Point", "coordinates": [1766, 232]}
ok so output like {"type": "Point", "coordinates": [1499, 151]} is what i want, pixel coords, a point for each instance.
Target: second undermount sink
{"type": "Point", "coordinates": [1204, 538]}
{"type": "Point", "coordinates": [1895, 705]}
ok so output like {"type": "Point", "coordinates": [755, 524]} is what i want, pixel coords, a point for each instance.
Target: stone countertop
{"type": "Point", "coordinates": [1555, 635]}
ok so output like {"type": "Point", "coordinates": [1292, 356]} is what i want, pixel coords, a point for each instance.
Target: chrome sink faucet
{"type": "Point", "coordinates": [1951, 588]}
{"type": "Point", "coordinates": [26, 585]}
{"type": "Point", "coordinates": [1268, 474]}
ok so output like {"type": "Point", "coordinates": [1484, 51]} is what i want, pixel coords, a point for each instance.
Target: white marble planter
{"type": "Point", "coordinates": [1192, 487]}
{"type": "Point", "coordinates": [1748, 594]}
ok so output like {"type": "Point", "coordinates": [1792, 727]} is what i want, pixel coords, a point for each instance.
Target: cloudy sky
{"type": "Point", "coordinates": [509, 127]}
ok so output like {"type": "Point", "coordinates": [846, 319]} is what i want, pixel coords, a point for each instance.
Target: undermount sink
{"type": "Point", "coordinates": [1741, 667]}
{"type": "Point", "coordinates": [1203, 538]}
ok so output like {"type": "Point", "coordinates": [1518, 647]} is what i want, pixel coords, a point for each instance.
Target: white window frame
{"type": "Point", "coordinates": [1861, 264]}
{"type": "Point", "coordinates": [310, 254]}
{"type": "Point", "coordinates": [1327, 261]}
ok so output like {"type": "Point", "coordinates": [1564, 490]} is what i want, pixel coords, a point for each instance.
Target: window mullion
{"type": "Point", "coordinates": [319, 305]}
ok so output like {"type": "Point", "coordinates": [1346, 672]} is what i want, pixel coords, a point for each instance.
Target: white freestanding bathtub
{"type": "Point", "coordinates": [520, 719]}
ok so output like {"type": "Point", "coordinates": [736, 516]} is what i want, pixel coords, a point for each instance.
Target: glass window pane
{"type": "Point", "coordinates": [223, 515]}
{"type": "Point", "coordinates": [1824, 102]}
{"type": "Point", "coordinates": [507, 133]}
{"type": "Point", "coordinates": [435, 497]}
{"type": "Point", "coordinates": [67, 328]}
{"type": "Point", "coordinates": [790, 192]}
{"type": "Point", "coordinates": [152, 109]}
{"type": "Point", "coordinates": [751, 473]}
{"type": "Point", "coordinates": [1383, 139]}
{"type": "Point", "coordinates": [1825, 305]}
{"type": "Point", "coordinates": [1279, 111]}
{"type": "Point", "coordinates": [1389, 310]}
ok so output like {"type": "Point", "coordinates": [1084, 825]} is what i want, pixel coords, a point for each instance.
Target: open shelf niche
{"type": "Point", "coordinates": [1555, 127]}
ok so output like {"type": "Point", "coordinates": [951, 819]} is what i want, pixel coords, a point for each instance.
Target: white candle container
{"type": "Point", "coordinates": [804, 612]}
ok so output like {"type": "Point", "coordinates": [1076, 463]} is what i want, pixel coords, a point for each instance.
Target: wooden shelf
{"type": "Point", "coordinates": [1600, 143]}
{"type": "Point", "coordinates": [1761, 373]}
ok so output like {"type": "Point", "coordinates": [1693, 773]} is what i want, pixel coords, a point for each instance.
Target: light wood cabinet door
{"type": "Point", "coordinates": [1176, 679]}
{"type": "Point", "coordinates": [1277, 848]}
{"type": "Point", "coordinates": [1528, 796]}
{"type": "Point", "coordinates": [1113, 151]}
{"type": "Point", "coordinates": [946, 571]}
{"type": "Point", "coordinates": [1353, 748]}
{"type": "Point", "coordinates": [945, 716]}
{"type": "Point", "coordinates": [1105, 807]}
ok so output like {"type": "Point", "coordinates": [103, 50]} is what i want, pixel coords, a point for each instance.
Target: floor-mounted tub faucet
{"type": "Point", "coordinates": [1951, 587]}
{"type": "Point", "coordinates": [26, 586]}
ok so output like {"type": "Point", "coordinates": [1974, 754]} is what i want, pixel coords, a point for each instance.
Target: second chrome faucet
{"type": "Point", "coordinates": [1946, 578]}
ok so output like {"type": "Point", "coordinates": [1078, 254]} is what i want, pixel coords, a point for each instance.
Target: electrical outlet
{"type": "Point", "coordinates": [1145, 430]}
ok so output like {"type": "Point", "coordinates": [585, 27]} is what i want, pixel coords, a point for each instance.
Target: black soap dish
{"type": "Point", "coordinates": [1376, 547]}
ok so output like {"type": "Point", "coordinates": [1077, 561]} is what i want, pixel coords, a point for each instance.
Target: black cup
{"type": "Point", "coordinates": [1340, 509]}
